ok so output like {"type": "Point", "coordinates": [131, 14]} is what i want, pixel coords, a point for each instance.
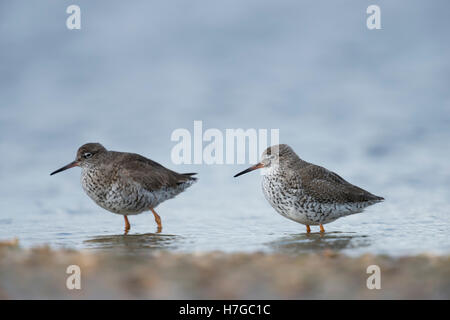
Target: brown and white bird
{"type": "Point", "coordinates": [307, 193]}
{"type": "Point", "coordinates": [126, 183]}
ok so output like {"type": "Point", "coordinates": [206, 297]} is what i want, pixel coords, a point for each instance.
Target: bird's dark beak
{"type": "Point", "coordinates": [256, 166]}
{"type": "Point", "coordinates": [70, 165]}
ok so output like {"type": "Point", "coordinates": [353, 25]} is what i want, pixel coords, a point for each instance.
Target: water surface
{"type": "Point", "coordinates": [374, 106]}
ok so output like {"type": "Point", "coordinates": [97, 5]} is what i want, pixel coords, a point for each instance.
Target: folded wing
{"type": "Point", "coordinates": [151, 175]}
{"type": "Point", "coordinates": [325, 186]}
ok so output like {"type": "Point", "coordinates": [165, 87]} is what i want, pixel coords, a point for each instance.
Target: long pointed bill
{"type": "Point", "coordinates": [256, 166]}
{"type": "Point", "coordinates": [70, 165]}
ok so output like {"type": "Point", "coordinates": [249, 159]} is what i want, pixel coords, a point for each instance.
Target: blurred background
{"type": "Point", "coordinates": [371, 105]}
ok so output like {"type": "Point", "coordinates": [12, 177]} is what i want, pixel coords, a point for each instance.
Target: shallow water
{"type": "Point", "coordinates": [373, 106]}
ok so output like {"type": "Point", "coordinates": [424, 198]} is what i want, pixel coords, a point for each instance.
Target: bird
{"type": "Point", "coordinates": [126, 183]}
{"type": "Point", "coordinates": [307, 193]}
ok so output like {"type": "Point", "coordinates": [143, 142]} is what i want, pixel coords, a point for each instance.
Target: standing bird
{"type": "Point", "coordinates": [126, 183]}
{"type": "Point", "coordinates": [307, 193]}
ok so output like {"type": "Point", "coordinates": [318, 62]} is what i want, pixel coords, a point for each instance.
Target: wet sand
{"type": "Point", "coordinates": [40, 273]}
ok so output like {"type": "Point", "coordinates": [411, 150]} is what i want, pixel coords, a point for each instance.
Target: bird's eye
{"type": "Point", "coordinates": [87, 155]}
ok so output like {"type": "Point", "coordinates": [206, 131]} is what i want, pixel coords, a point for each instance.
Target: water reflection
{"type": "Point", "coordinates": [313, 242]}
{"type": "Point", "coordinates": [133, 243]}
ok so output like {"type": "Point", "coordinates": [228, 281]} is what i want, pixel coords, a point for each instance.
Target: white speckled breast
{"type": "Point", "coordinates": [295, 205]}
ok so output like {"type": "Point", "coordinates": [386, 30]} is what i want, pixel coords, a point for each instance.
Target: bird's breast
{"type": "Point", "coordinates": [291, 203]}
{"type": "Point", "coordinates": [96, 184]}
{"type": "Point", "coordinates": [278, 195]}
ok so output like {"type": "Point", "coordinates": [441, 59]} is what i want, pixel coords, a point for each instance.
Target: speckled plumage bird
{"type": "Point", "coordinates": [307, 193]}
{"type": "Point", "coordinates": [126, 183]}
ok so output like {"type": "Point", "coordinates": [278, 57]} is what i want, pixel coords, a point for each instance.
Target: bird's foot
{"type": "Point", "coordinates": [322, 230]}
{"type": "Point", "coordinates": [127, 225]}
{"type": "Point", "coordinates": [157, 220]}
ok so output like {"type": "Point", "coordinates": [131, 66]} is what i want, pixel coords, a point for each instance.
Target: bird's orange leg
{"type": "Point", "coordinates": [157, 220]}
{"type": "Point", "coordinates": [127, 224]}
{"type": "Point", "coordinates": [322, 230]}
{"type": "Point", "coordinates": [308, 229]}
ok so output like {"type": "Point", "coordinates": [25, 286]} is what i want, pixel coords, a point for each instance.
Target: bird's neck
{"type": "Point", "coordinates": [271, 170]}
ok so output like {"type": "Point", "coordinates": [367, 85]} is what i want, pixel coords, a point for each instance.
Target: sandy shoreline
{"type": "Point", "coordinates": [40, 273]}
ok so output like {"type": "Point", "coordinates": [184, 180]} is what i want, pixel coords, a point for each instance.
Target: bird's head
{"type": "Point", "coordinates": [87, 155]}
{"type": "Point", "coordinates": [271, 159]}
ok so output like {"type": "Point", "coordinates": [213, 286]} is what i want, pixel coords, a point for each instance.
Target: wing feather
{"type": "Point", "coordinates": [150, 174]}
{"type": "Point", "coordinates": [325, 186]}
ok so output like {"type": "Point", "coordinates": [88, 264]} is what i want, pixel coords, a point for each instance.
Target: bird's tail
{"type": "Point", "coordinates": [190, 175]}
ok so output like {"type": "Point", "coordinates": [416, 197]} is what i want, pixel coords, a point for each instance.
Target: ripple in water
{"type": "Point", "coordinates": [133, 243]}
{"type": "Point", "coordinates": [313, 242]}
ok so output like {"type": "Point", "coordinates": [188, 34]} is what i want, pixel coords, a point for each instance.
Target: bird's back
{"type": "Point", "coordinates": [149, 174]}
{"type": "Point", "coordinates": [325, 186]}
